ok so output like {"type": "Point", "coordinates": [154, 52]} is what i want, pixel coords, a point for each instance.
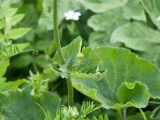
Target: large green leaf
{"type": "Point", "coordinates": [125, 71]}
{"type": "Point", "coordinates": [102, 5]}
{"type": "Point", "coordinates": [107, 20]}
{"type": "Point", "coordinates": [152, 7]}
{"type": "Point", "coordinates": [22, 106]}
{"type": "Point", "coordinates": [137, 36]}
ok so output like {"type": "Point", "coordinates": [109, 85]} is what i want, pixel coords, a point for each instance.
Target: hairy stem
{"type": "Point", "coordinates": [56, 32]}
{"type": "Point", "coordinates": [70, 92]}
{"type": "Point", "coordinates": [59, 50]}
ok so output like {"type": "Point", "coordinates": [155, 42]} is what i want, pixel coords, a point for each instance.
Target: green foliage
{"type": "Point", "coordinates": [12, 105]}
{"type": "Point", "coordinates": [122, 66]}
{"type": "Point", "coordinates": [115, 62]}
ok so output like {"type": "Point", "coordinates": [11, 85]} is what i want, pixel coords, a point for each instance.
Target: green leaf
{"type": "Point", "coordinates": [70, 52]}
{"type": "Point", "coordinates": [133, 10]}
{"type": "Point", "coordinates": [22, 61]}
{"type": "Point", "coordinates": [122, 66]}
{"type": "Point", "coordinates": [5, 87]}
{"type": "Point", "coordinates": [107, 20]}
{"type": "Point", "coordinates": [1, 37]}
{"type": "Point", "coordinates": [152, 7]}
{"type": "Point", "coordinates": [87, 62]}
{"type": "Point", "coordinates": [137, 36]}
{"type": "Point", "coordinates": [97, 39]}
{"type": "Point", "coordinates": [1, 24]}
{"type": "Point", "coordinates": [12, 106]}
{"type": "Point", "coordinates": [99, 6]}
{"type": "Point", "coordinates": [11, 12]}
{"type": "Point", "coordinates": [18, 33]}
{"type": "Point", "coordinates": [128, 92]}
{"type": "Point", "coordinates": [50, 102]}
{"type": "Point", "coordinates": [4, 7]}
{"type": "Point", "coordinates": [12, 50]}
{"type": "Point", "coordinates": [17, 18]}
{"type": "Point", "coordinates": [3, 67]}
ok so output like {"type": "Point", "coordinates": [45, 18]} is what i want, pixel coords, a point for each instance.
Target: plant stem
{"type": "Point", "coordinates": [143, 114]}
{"type": "Point", "coordinates": [124, 113]}
{"type": "Point", "coordinates": [70, 92]}
{"type": "Point", "coordinates": [59, 50]}
{"type": "Point", "coordinates": [120, 114]}
{"type": "Point", "coordinates": [56, 32]}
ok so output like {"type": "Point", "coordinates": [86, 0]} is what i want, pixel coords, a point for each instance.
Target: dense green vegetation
{"type": "Point", "coordinates": [79, 59]}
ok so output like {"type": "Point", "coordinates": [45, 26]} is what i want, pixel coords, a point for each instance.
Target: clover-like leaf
{"type": "Point", "coordinates": [122, 66]}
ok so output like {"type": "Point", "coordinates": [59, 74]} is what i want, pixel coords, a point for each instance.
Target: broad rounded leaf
{"type": "Point", "coordinates": [133, 10]}
{"type": "Point", "coordinates": [107, 20]}
{"type": "Point", "coordinates": [137, 36]}
{"type": "Point", "coordinates": [122, 66]}
{"type": "Point", "coordinates": [102, 5]}
{"type": "Point", "coordinates": [22, 106]}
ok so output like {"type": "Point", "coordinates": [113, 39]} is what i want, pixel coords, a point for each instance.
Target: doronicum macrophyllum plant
{"type": "Point", "coordinates": [112, 74]}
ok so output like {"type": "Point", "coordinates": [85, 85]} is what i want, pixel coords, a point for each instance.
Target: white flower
{"type": "Point", "coordinates": [72, 15]}
{"type": "Point", "coordinates": [158, 18]}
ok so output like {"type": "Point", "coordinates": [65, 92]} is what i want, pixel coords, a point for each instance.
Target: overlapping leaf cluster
{"type": "Point", "coordinates": [118, 67]}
